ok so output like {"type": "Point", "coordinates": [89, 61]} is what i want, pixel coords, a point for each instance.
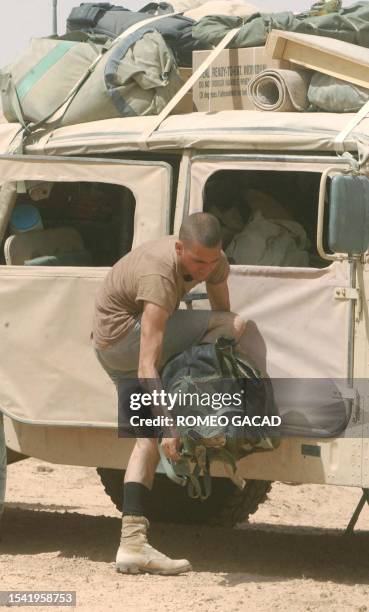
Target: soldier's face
{"type": "Point", "coordinates": [196, 260]}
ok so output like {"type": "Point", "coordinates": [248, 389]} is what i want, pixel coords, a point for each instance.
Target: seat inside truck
{"type": "Point", "coordinates": [81, 223]}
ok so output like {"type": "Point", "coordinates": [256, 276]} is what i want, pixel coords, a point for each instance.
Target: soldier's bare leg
{"type": "Point", "coordinates": [143, 462]}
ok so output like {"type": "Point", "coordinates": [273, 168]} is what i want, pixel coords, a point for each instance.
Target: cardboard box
{"type": "Point", "coordinates": [224, 85]}
{"type": "Point", "coordinates": [185, 105]}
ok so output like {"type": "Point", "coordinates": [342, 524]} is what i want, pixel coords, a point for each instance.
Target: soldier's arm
{"type": "Point", "coordinates": [153, 322]}
{"type": "Point", "coordinates": [219, 296]}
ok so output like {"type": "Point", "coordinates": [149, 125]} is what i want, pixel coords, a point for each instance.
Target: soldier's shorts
{"type": "Point", "coordinates": [120, 361]}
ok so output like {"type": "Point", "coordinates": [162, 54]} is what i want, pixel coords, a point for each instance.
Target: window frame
{"type": "Point", "coordinates": [151, 219]}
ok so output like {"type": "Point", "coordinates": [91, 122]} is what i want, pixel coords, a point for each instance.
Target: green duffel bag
{"type": "Point", "coordinates": [218, 395]}
{"type": "Point", "coordinates": [135, 74]}
{"type": "Point", "coordinates": [39, 81]}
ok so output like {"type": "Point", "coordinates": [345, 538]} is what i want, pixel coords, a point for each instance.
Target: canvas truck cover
{"type": "Point", "coordinates": [224, 130]}
{"type": "Point", "coordinates": [8, 134]}
{"type": "Point", "coordinates": [49, 372]}
{"type": "Point", "coordinates": [48, 340]}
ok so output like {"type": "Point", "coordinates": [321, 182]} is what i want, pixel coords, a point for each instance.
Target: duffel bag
{"type": "Point", "coordinates": [111, 21]}
{"type": "Point", "coordinates": [135, 74]}
{"type": "Point", "coordinates": [223, 410]}
{"type": "Point", "coordinates": [39, 81]}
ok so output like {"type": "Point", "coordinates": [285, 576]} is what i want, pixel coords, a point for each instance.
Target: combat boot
{"type": "Point", "coordinates": [136, 555]}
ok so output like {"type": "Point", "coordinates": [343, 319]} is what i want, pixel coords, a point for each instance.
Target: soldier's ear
{"type": "Point", "coordinates": [179, 247]}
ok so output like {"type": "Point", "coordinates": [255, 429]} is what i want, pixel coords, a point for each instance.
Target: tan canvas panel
{"type": "Point", "coordinates": [49, 371]}
{"type": "Point", "coordinates": [146, 180]}
{"type": "Point", "coordinates": [292, 312]}
{"type": "Point", "coordinates": [301, 300]}
{"type": "Point", "coordinates": [229, 130]}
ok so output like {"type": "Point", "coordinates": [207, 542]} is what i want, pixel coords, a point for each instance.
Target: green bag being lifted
{"type": "Point", "coordinates": [136, 74]}
{"type": "Point", "coordinates": [215, 390]}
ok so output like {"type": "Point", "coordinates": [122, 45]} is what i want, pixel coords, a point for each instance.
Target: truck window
{"type": "Point", "coordinates": [73, 224]}
{"type": "Point", "coordinates": [267, 218]}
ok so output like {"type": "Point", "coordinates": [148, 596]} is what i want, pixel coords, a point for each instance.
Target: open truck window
{"type": "Point", "coordinates": [70, 224]}
{"type": "Point", "coordinates": [267, 217]}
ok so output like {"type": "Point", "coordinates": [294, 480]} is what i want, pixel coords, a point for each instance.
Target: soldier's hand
{"type": "Point", "coordinates": [171, 448]}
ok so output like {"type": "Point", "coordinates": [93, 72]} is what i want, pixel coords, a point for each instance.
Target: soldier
{"type": "Point", "coordinates": [137, 328]}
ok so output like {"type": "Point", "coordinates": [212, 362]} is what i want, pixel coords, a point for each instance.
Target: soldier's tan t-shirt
{"type": "Point", "coordinates": [148, 273]}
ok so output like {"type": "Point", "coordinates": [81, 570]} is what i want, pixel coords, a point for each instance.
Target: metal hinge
{"type": "Point", "coordinates": [347, 293]}
{"type": "Point", "coordinates": [352, 394]}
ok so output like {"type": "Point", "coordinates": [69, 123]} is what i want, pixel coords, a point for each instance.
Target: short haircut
{"type": "Point", "coordinates": [201, 227]}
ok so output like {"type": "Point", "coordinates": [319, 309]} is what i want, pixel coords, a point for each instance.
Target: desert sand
{"type": "Point", "coordinates": [60, 532]}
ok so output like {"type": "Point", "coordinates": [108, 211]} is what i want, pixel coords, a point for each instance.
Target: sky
{"type": "Point", "coordinates": [22, 19]}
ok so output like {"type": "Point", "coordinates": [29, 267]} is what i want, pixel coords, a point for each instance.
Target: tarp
{"type": "Point", "coordinates": [8, 133]}
{"type": "Point", "coordinates": [225, 130]}
{"type": "Point", "coordinates": [350, 24]}
{"type": "Point", "coordinates": [222, 7]}
{"type": "Point", "coordinates": [327, 93]}
{"type": "Point", "coordinates": [62, 382]}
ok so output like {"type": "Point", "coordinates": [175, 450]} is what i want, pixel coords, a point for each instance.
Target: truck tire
{"type": "Point", "coordinates": [226, 506]}
{"type": "Point", "coordinates": [2, 466]}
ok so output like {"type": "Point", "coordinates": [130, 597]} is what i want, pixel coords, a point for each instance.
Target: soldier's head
{"type": "Point", "coordinates": [199, 245]}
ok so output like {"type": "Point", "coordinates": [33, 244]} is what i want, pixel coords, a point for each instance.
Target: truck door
{"type": "Point", "coordinates": [297, 327]}
{"type": "Point", "coordinates": [48, 369]}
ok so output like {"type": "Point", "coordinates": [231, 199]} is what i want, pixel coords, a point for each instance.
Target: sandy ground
{"type": "Point", "coordinates": [60, 531]}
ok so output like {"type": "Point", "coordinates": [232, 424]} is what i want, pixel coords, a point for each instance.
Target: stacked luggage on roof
{"type": "Point", "coordinates": [113, 62]}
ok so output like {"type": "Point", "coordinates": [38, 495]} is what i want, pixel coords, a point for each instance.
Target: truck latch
{"type": "Point", "coordinates": [347, 293]}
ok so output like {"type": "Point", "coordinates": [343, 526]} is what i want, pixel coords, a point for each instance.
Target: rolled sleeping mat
{"type": "Point", "coordinates": [280, 90]}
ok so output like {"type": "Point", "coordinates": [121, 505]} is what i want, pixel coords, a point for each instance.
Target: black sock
{"type": "Point", "coordinates": [136, 499]}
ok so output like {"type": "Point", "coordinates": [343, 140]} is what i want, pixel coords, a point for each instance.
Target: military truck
{"type": "Point", "coordinates": [106, 187]}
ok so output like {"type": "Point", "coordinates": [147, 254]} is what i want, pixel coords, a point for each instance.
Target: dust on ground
{"type": "Point", "coordinates": [61, 531]}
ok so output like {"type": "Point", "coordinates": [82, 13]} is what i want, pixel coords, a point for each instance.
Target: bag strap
{"type": "Point", "coordinates": [351, 125]}
{"type": "Point", "coordinates": [13, 100]}
{"type": "Point", "coordinates": [10, 100]}
{"type": "Point", "coordinates": [199, 485]}
{"type": "Point", "coordinates": [187, 86]}
{"type": "Point", "coordinates": [88, 14]}
{"type": "Point", "coordinates": [64, 105]}
{"type": "Point", "coordinates": [169, 470]}
{"type": "Point", "coordinates": [138, 25]}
